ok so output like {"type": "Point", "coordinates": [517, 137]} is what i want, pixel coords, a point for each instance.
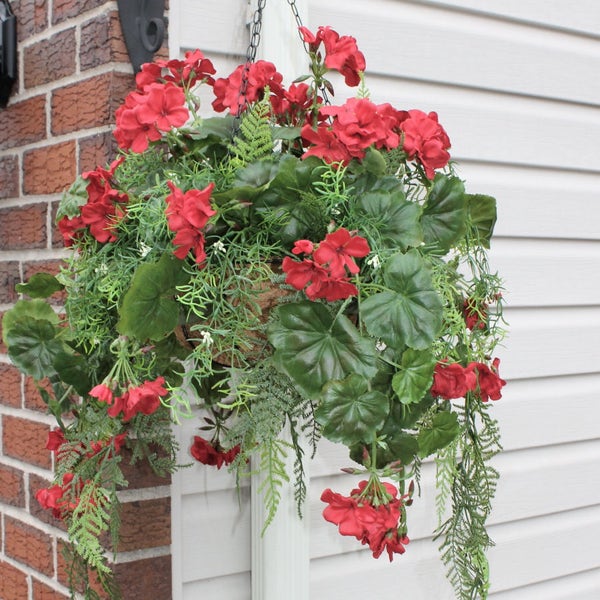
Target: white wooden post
{"type": "Point", "coordinates": [280, 557]}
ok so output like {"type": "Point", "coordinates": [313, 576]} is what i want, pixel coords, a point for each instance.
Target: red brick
{"type": "Point", "coordinates": [28, 545]}
{"type": "Point", "coordinates": [42, 592]}
{"type": "Point", "coordinates": [146, 578]}
{"type": "Point", "coordinates": [3, 348]}
{"type": "Point", "coordinates": [10, 385]}
{"type": "Point", "coordinates": [23, 122]}
{"type": "Point", "coordinates": [23, 227]}
{"type": "Point", "coordinates": [64, 568]}
{"type": "Point", "coordinates": [25, 440]}
{"type": "Point", "coordinates": [145, 524]}
{"type": "Point", "coordinates": [96, 151]}
{"type": "Point", "coordinates": [45, 515]}
{"type": "Point", "coordinates": [32, 17]}
{"type": "Point", "coordinates": [102, 42]}
{"type": "Point", "coordinates": [65, 9]}
{"type": "Point", "coordinates": [9, 277]}
{"type": "Point", "coordinates": [49, 169]}
{"type": "Point", "coordinates": [141, 474]}
{"type": "Point", "coordinates": [12, 486]}
{"type": "Point", "coordinates": [89, 103]}
{"type": "Point", "coordinates": [51, 59]}
{"type": "Point", "coordinates": [13, 583]}
{"type": "Point", "coordinates": [9, 177]}
{"type": "Point", "coordinates": [32, 398]}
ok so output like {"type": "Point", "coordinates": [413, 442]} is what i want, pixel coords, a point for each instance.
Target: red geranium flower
{"type": "Point", "coordinates": [372, 521]}
{"type": "Point", "coordinates": [425, 139]}
{"type": "Point", "coordinates": [338, 250]}
{"type": "Point", "coordinates": [56, 438]}
{"type": "Point", "coordinates": [324, 143]}
{"type": "Point", "coordinates": [259, 75]}
{"type": "Point", "coordinates": [163, 107]}
{"type": "Point", "coordinates": [203, 451]}
{"type": "Point", "coordinates": [452, 380]}
{"type": "Point", "coordinates": [489, 382]}
{"type": "Point", "coordinates": [187, 213]}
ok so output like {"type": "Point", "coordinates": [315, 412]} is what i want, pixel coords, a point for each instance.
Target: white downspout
{"type": "Point", "coordinates": [280, 557]}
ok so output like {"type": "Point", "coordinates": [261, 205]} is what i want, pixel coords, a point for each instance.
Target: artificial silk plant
{"type": "Point", "coordinates": [292, 262]}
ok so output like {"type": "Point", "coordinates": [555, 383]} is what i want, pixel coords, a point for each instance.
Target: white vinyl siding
{"type": "Point", "coordinates": [516, 86]}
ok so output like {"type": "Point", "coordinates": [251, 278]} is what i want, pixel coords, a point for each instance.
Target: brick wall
{"type": "Point", "coordinates": [73, 73]}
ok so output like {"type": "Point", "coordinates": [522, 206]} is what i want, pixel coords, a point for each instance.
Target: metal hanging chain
{"type": "Point", "coordinates": [255, 31]}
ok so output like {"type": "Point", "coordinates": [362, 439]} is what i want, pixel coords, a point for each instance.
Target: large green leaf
{"type": "Point", "coordinates": [312, 348]}
{"type": "Point", "coordinates": [482, 210]}
{"type": "Point", "coordinates": [410, 312]}
{"type": "Point", "coordinates": [25, 311]}
{"type": "Point", "coordinates": [33, 347]}
{"type": "Point", "coordinates": [444, 212]}
{"type": "Point", "coordinates": [443, 429]}
{"type": "Point", "coordinates": [412, 381]}
{"type": "Point", "coordinates": [149, 310]}
{"type": "Point", "coordinates": [349, 412]}
{"type": "Point", "coordinates": [395, 219]}
{"type": "Point", "coordinates": [73, 370]}
{"type": "Point", "coordinates": [40, 285]}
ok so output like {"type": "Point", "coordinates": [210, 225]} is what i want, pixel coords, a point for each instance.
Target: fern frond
{"type": "Point", "coordinates": [254, 139]}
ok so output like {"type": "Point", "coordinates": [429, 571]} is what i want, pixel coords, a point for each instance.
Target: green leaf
{"type": "Point", "coordinates": [349, 412]}
{"type": "Point", "coordinates": [482, 210]}
{"type": "Point", "coordinates": [444, 428]}
{"type": "Point", "coordinates": [374, 163]}
{"type": "Point", "coordinates": [413, 379]}
{"type": "Point", "coordinates": [25, 311]}
{"type": "Point", "coordinates": [444, 212]}
{"type": "Point", "coordinates": [395, 219]}
{"type": "Point", "coordinates": [73, 199]}
{"type": "Point", "coordinates": [149, 309]}
{"type": "Point", "coordinates": [312, 348]}
{"type": "Point", "coordinates": [286, 133]}
{"type": "Point", "coordinates": [73, 370]}
{"type": "Point", "coordinates": [410, 312]}
{"type": "Point", "coordinates": [33, 347]}
{"type": "Point", "coordinates": [40, 285]}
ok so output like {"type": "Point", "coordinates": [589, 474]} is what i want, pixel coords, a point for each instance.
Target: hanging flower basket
{"type": "Point", "coordinates": [290, 262]}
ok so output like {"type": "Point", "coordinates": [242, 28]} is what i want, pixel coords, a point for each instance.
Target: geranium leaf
{"type": "Point", "coordinates": [33, 347]}
{"type": "Point", "coordinates": [410, 312]}
{"type": "Point", "coordinates": [412, 381]}
{"type": "Point", "coordinates": [392, 218]}
{"type": "Point", "coordinates": [24, 311]}
{"type": "Point", "coordinates": [444, 212]}
{"type": "Point", "coordinates": [443, 429]}
{"type": "Point", "coordinates": [73, 370]}
{"type": "Point", "coordinates": [312, 348]}
{"type": "Point", "coordinates": [40, 285]}
{"type": "Point", "coordinates": [149, 310]}
{"type": "Point", "coordinates": [349, 412]}
{"type": "Point", "coordinates": [482, 210]}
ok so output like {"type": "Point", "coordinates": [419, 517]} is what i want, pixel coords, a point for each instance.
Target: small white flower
{"type": "Point", "coordinates": [380, 346]}
{"type": "Point", "coordinates": [207, 338]}
{"type": "Point", "coordinates": [143, 249]}
{"type": "Point", "coordinates": [102, 269]}
{"type": "Point", "coordinates": [220, 246]}
{"type": "Point", "coordinates": [374, 261]}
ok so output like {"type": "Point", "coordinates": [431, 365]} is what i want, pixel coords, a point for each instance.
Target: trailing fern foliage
{"type": "Point", "coordinates": [465, 474]}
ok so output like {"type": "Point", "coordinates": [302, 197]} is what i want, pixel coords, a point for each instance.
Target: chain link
{"type": "Point", "coordinates": [255, 31]}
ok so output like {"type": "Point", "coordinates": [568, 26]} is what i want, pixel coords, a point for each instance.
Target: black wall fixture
{"type": "Point", "coordinates": [8, 51]}
{"type": "Point", "coordinates": [143, 26]}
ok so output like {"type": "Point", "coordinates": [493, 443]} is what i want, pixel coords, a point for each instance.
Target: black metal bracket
{"type": "Point", "coordinates": [8, 51]}
{"type": "Point", "coordinates": [143, 26]}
